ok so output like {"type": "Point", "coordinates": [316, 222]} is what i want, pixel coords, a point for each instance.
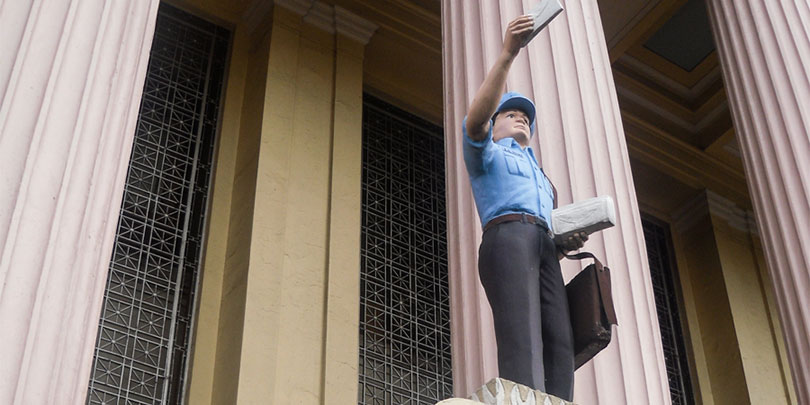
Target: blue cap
{"type": "Point", "coordinates": [517, 101]}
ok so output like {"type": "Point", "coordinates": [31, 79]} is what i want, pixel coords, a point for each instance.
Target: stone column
{"type": "Point", "coordinates": [71, 78]}
{"type": "Point", "coordinates": [581, 145]}
{"type": "Point", "coordinates": [765, 55]}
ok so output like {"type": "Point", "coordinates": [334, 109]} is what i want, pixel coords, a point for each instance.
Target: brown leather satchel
{"type": "Point", "coordinates": [591, 307]}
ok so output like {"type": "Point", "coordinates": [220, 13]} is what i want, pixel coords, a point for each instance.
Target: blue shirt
{"type": "Point", "coordinates": [506, 178]}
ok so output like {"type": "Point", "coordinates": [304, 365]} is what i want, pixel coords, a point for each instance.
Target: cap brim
{"type": "Point", "coordinates": [519, 103]}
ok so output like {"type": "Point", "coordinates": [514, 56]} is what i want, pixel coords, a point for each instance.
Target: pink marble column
{"type": "Point", "coordinates": [71, 78]}
{"type": "Point", "coordinates": [581, 144]}
{"type": "Point", "coordinates": [765, 55]}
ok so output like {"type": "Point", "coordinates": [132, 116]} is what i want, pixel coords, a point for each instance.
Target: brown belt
{"type": "Point", "coordinates": [525, 218]}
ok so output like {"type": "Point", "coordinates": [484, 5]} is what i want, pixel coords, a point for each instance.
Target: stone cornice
{"type": "Point", "coordinates": [718, 206]}
{"type": "Point", "coordinates": [321, 15]}
{"type": "Point", "coordinates": [682, 161]}
{"type": "Point", "coordinates": [737, 218]}
{"type": "Point", "coordinates": [300, 7]}
{"type": "Point", "coordinates": [353, 26]}
{"type": "Point", "coordinates": [331, 18]}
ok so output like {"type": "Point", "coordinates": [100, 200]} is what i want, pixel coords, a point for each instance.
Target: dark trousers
{"type": "Point", "coordinates": [522, 278]}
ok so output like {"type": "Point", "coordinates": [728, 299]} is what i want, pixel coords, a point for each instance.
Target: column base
{"type": "Point", "coordinates": [504, 392]}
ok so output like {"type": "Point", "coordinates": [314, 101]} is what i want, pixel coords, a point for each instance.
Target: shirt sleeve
{"type": "Point", "coordinates": [477, 154]}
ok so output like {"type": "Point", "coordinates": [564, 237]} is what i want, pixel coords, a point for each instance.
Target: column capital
{"type": "Point", "coordinates": [353, 26]}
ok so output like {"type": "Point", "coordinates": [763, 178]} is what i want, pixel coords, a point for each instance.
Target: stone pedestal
{"type": "Point", "coordinates": [504, 392]}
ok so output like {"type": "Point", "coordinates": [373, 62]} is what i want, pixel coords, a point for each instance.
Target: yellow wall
{"type": "Point", "coordinates": [773, 316]}
{"type": "Point", "coordinates": [279, 298]}
{"type": "Point", "coordinates": [720, 377]}
{"type": "Point", "coordinates": [233, 288]}
{"type": "Point", "coordinates": [738, 354]}
{"type": "Point", "coordinates": [758, 331]}
{"type": "Point", "coordinates": [343, 287]}
{"type": "Point", "coordinates": [226, 252]}
{"type": "Point", "coordinates": [278, 318]}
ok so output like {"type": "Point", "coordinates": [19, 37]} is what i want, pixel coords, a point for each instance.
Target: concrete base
{"type": "Point", "coordinates": [504, 392]}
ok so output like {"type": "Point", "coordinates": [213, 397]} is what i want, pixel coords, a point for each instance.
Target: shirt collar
{"type": "Point", "coordinates": [510, 143]}
{"type": "Point", "coordinates": [531, 154]}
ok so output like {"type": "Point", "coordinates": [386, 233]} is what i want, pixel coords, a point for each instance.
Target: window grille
{"type": "Point", "coordinates": [145, 326]}
{"type": "Point", "coordinates": [664, 282]}
{"type": "Point", "coordinates": [404, 303]}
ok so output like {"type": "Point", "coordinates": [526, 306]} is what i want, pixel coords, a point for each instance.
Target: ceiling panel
{"type": "Point", "coordinates": [686, 39]}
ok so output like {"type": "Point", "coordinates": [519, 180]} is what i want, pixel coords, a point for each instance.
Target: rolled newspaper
{"type": "Point", "coordinates": [589, 216]}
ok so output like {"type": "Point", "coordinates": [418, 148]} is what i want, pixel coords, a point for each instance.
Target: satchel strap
{"type": "Point", "coordinates": [603, 281]}
{"type": "Point", "coordinates": [584, 255]}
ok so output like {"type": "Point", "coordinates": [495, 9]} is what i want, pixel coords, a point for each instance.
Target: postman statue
{"type": "Point", "coordinates": [518, 259]}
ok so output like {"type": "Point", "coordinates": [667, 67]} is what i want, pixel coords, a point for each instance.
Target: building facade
{"type": "Point", "coordinates": [264, 201]}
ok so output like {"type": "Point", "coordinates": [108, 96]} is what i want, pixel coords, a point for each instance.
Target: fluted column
{"type": "Point", "coordinates": [765, 55]}
{"type": "Point", "coordinates": [71, 78]}
{"type": "Point", "coordinates": [581, 144]}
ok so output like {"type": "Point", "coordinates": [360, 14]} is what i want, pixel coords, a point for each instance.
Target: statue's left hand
{"type": "Point", "coordinates": [574, 242]}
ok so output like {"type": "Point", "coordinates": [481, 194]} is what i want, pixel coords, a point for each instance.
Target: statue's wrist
{"type": "Point", "coordinates": [509, 51]}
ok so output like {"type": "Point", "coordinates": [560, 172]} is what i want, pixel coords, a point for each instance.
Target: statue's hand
{"type": "Point", "coordinates": [518, 29]}
{"type": "Point", "coordinates": [574, 242]}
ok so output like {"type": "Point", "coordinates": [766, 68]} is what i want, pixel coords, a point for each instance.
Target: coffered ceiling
{"type": "Point", "coordinates": [670, 88]}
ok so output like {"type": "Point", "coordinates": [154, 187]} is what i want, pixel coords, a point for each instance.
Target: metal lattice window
{"type": "Point", "coordinates": [662, 271]}
{"type": "Point", "coordinates": [404, 303]}
{"type": "Point", "coordinates": [145, 326]}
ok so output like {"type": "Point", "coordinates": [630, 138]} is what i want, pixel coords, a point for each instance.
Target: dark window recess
{"type": "Point", "coordinates": [142, 348]}
{"type": "Point", "coordinates": [664, 278]}
{"type": "Point", "coordinates": [404, 302]}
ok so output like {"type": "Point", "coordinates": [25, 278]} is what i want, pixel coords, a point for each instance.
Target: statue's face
{"type": "Point", "coordinates": [511, 123]}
